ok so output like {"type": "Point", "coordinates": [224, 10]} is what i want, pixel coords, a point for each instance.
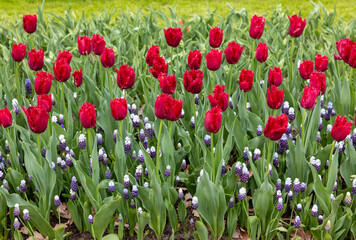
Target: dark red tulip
{"type": "Point", "coordinates": [173, 36]}
{"type": "Point", "coordinates": [321, 63]}
{"type": "Point", "coordinates": [352, 59]}
{"type": "Point", "coordinates": [276, 127]}
{"type": "Point", "coordinates": [344, 47]}
{"type": "Point", "coordinates": [67, 56]}
{"type": "Point", "coordinates": [246, 80]}
{"type": "Point", "coordinates": [29, 23]}
{"type": "Point", "coordinates": [275, 97]}
{"type": "Point", "coordinates": [43, 83]}
{"type": "Point", "coordinates": [213, 59]}
{"type": "Point", "coordinates": [84, 45]}
{"type": "Point", "coordinates": [107, 58]}
{"type": "Point", "coordinates": [213, 119]}
{"type": "Point", "coordinates": [297, 25]}
{"type": "Point", "coordinates": [87, 115]}
{"type": "Point", "coordinates": [317, 81]}
{"type": "Point", "coordinates": [162, 106]}
{"type": "Point", "coordinates": [308, 99]}
{"type": "Point", "coordinates": [18, 52]}
{"type": "Point", "coordinates": [98, 44]}
{"type": "Point", "coordinates": [262, 52]}
{"type": "Point", "coordinates": [61, 70]}
{"type": "Point", "coordinates": [45, 101]}
{"type": "Point", "coordinates": [233, 52]}
{"type": "Point", "coordinates": [306, 69]}
{"type": "Point", "coordinates": [78, 77]}
{"type": "Point", "coordinates": [341, 128]}
{"type": "Point", "coordinates": [167, 83]}
{"type": "Point", "coordinates": [219, 98]}
{"type": "Point", "coordinates": [125, 76]}
{"type": "Point", "coordinates": [35, 59]}
{"type": "Point", "coordinates": [5, 117]}
{"type": "Point", "coordinates": [152, 53]}
{"type": "Point", "coordinates": [193, 81]}
{"type": "Point", "coordinates": [275, 76]}
{"type": "Point", "coordinates": [37, 118]}
{"type": "Point", "coordinates": [159, 66]}
{"type": "Point", "coordinates": [257, 27]}
{"type": "Point", "coordinates": [215, 37]}
{"type": "Point", "coordinates": [118, 108]}
{"type": "Point", "coordinates": [175, 110]}
{"type": "Point", "coordinates": [194, 59]}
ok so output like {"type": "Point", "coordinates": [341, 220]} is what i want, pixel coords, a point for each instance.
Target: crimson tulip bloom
{"type": "Point", "coordinates": [193, 81]}
{"type": "Point", "coordinates": [246, 80]}
{"type": "Point", "coordinates": [98, 44]}
{"type": "Point", "coordinates": [45, 101]}
{"type": "Point", "coordinates": [317, 81]}
{"type": "Point", "coordinates": [87, 115]}
{"type": "Point", "coordinates": [341, 128]}
{"type": "Point", "coordinates": [233, 52]}
{"type": "Point", "coordinates": [159, 66]}
{"type": "Point", "coordinates": [107, 58]}
{"type": "Point", "coordinates": [352, 59]}
{"type": "Point", "coordinates": [35, 59]}
{"type": "Point", "coordinates": [275, 97]}
{"type": "Point", "coordinates": [18, 52]}
{"type": "Point", "coordinates": [262, 52]}
{"type": "Point", "coordinates": [61, 70]}
{"type": "Point", "coordinates": [276, 127]}
{"type": "Point", "coordinates": [306, 69]}
{"type": "Point", "coordinates": [37, 118]}
{"type": "Point", "coordinates": [29, 23]}
{"type": "Point", "coordinates": [175, 111]}
{"type": "Point", "coordinates": [167, 83]}
{"type": "Point", "coordinates": [213, 59]}
{"type": "Point", "coordinates": [78, 77]}
{"type": "Point", "coordinates": [213, 119]}
{"type": "Point", "coordinates": [215, 37]}
{"type": "Point", "coordinates": [321, 63]}
{"type": "Point", "coordinates": [194, 59]}
{"type": "Point", "coordinates": [152, 53]}
{"type": "Point", "coordinates": [162, 106]}
{"type": "Point", "coordinates": [5, 117]}
{"type": "Point", "coordinates": [125, 76]}
{"type": "Point", "coordinates": [118, 108]}
{"type": "Point", "coordinates": [257, 27]}
{"type": "Point", "coordinates": [173, 36]}
{"type": "Point", "coordinates": [67, 56]}
{"type": "Point", "coordinates": [275, 76]}
{"type": "Point", "coordinates": [219, 98]}
{"type": "Point", "coordinates": [297, 25]}
{"type": "Point", "coordinates": [84, 45]}
{"type": "Point", "coordinates": [308, 100]}
{"type": "Point", "coordinates": [43, 83]}
{"type": "Point", "coordinates": [344, 47]}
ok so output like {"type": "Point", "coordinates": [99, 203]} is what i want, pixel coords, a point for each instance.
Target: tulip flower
{"type": "Point", "coordinates": [215, 37]}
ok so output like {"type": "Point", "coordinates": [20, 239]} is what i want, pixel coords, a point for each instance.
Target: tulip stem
{"type": "Point", "coordinates": [230, 80]}
{"type": "Point", "coordinates": [63, 100]}
{"type": "Point", "coordinates": [213, 82]}
{"type": "Point", "coordinates": [212, 156]}
{"type": "Point", "coordinates": [303, 121]}
{"type": "Point", "coordinates": [157, 154]}
{"type": "Point", "coordinates": [89, 142]}
{"type": "Point", "coordinates": [352, 79]}
{"type": "Point", "coordinates": [268, 157]}
{"type": "Point", "coordinates": [33, 46]}
{"type": "Point", "coordinates": [332, 151]}
{"type": "Point", "coordinates": [18, 87]}
{"type": "Point", "coordinates": [39, 148]}
{"type": "Point", "coordinates": [172, 60]}
{"type": "Point", "coordinates": [245, 99]}
{"type": "Point", "coordinates": [253, 48]}
{"type": "Point", "coordinates": [121, 129]}
{"type": "Point", "coordinates": [291, 63]}
{"type": "Point", "coordinates": [125, 93]}
{"type": "Point", "coordinates": [170, 128]}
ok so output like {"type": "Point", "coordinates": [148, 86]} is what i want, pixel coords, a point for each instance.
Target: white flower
{"type": "Point", "coordinates": [127, 141]}
{"type": "Point", "coordinates": [82, 138]}
{"type": "Point", "coordinates": [280, 200]}
{"type": "Point", "coordinates": [296, 181]}
{"type": "Point", "coordinates": [195, 200]}
{"type": "Point", "coordinates": [139, 169]}
{"type": "Point", "coordinates": [145, 184]}
{"type": "Point", "coordinates": [126, 178]}
{"type": "Point", "coordinates": [314, 208]}
{"type": "Point", "coordinates": [288, 181]}
{"type": "Point", "coordinates": [54, 119]}
{"type": "Point", "coordinates": [134, 188]}
{"type": "Point", "coordinates": [242, 191]}
{"type": "Point", "coordinates": [248, 105]}
{"type": "Point", "coordinates": [111, 183]}
{"type": "Point", "coordinates": [56, 198]}
{"type": "Point", "coordinates": [136, 118]}
{"type": "Point", "coordinates": [15, 103]}
{"type": "Point", "coordinates": [168, 167]}
{"type": "Point", "coordinates": [299, 206]}
{"type": "Point", "coordinates": [61, 139]}
{"type": "Point", "coordinates": [257, 152]}
{"type": "Point", "coordinates": [279, 193]}
{"type": "Point", "coordinates": [25, 212]}
{"type": "Point", "coordinates": [180, 191]}
{"type": "Point", "coordinates": [291, 111]}
{"type": "Point", "coordinates": [286, 104]}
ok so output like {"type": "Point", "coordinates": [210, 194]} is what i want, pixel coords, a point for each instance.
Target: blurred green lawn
{"type": "Point", "coordinates": [13, 9]}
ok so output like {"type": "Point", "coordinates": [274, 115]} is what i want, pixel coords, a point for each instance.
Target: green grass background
{"type": "Point", "coordinates": [12, 10]}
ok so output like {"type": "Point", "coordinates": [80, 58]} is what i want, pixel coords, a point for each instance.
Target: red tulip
{"type": "Point", "coordinates": [262, 52]}
{"type": "Point", "coordinates": [98, 44]}
{"type": "Point", "coordinates": [246, 80]}
{"type": "Point", "coordinates": [35, 59]}
{"type": "Point", "coordinates": [167, 83]}
{"type": "Point", "coordinates": [29, 23]}
{"type": "Point", "coordinates": [233, 52]}
{"type": "Point", "coordinates": [317, 81]}
{"type": "Point", "coordinates": [213, 59]}
{"type": "Point", "coordinates": [352, 59]}
{"type": "Point", "coordinates": [257, 27]}
{"type": "Point", "coordinates": [308, 100]}
{"type": "Point", "coordinates": [215, 37]}
{"type": "Point", "coordinates": [297, 25]}
{"type": "Point", "coordinates": [45, 101]}
{"type": "Point", "coordinates": [18, 52]}
{"type": "Point", "coordinates": [306, 69]}
{"type": "Point", "coordinates": [5, 117]}
{"type": "Point", "coordinates": [67, 56]}
{"type": "Point", "coordinates": [78, 77]}
{"type": "Point", "coordinates": [194, 59]}
{"type": "Point", "coordinates": [118, 108]}
{"type": "Point", "coordinates": [107, 58]}
{"type": "Point", "coordinates": [159, 66]}
{"type": "Point", "coordinates": [321, 63]}
{"type": "Point", "coordinates": [212, 121]}
{"type": "Point", "coordinates": [344, 47]}
{"type": "Point", "coordinates": [341, 128]}
{"type": "Point", "coordinates": [276, 127]}
{"type": "Point", "coordinates": [43, 83]}
{"type": "Point", "coordinates": [61, 70]}
{"type": "Point", "coordinates": [175, 110]}
{"type": "Point", "coordinates": [84, 45]}
{"type": "Point", "coordinates": [220, 98]}
{"type": "Point", "coordinates": [275, 97]}
{"type": "Point", "coordinates": [275, 76]}
{"type": "Point", "coordinates": [152, 53]}
{"type": "Point", "coordinates": [125, 76]}
{"type": "Point", "coordinates": [193, 81]}
{"type": "Point", "coordinates": [87, 115]}
{"type": "Point", "coordinates": [173, 36]}
{"type": "Point", "coordinates": [162, 106]}
{"type": "Point", "coordinates": [37, 118]}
